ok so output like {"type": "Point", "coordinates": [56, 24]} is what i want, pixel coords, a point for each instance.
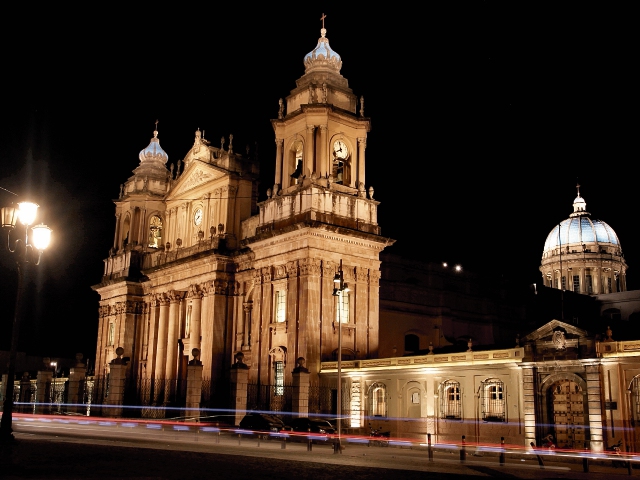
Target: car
{"type": "Point", "coordinates": [313, 425]}
{"type": "Point", "coordinates": [262, 422]}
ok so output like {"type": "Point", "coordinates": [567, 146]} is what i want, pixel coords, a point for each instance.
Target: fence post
{"type": "Point", "coordinates": [309, 441]}
{"type": "Point", "coordinates": [429, 449]}
{"type": "Point", "coordinates": [502, 454]}
{"type": "Point", "coordinates": [585, 461]}
{"type": "Point", "coordinates": [629, 464]}
{"type": "Point", "coordinates": [463, 451]}
{"type": "Point", "coordinates": [540, 462]}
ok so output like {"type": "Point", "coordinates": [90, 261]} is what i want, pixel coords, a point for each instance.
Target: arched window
{"type": "Point", "coordinates": [155, 231]}
{"type": "Point", "coordinates": [378, 400]}
{"type": "Point", "coordinates": [493, 400]}
{"type": "Point", "coordinates": [450, 403]}
{"type": "Point", "coordinates": [125, 231]}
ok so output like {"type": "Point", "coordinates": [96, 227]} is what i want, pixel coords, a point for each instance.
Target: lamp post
{"type": "Point", "coordinates": [26, 251]}
{"type": "Point", "coordinates": [339, 288]}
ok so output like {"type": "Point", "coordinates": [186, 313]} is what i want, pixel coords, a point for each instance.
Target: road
{"type": "Point", "coordinates": [88, 448]}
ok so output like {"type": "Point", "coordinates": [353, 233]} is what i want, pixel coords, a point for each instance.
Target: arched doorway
{"type": "Point", "coordinates": [566, 408]}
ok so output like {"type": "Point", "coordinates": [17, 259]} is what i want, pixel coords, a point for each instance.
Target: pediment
{"type": "Point", "coordinates": [546, 332]}
{"type": "Point", "coordinates": [197, 174]}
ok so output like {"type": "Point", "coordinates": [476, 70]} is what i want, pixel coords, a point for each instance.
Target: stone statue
{"type": "Point", "coordinates": [362, 106]}
{"type": "Point", "coordinates": [300, 368]}
{"type": "Point", "coordinates": [239, 361]}
{"type": "Point", "coordinates": [371, 193]}
{"type": "Point", "coordinates": [280, 109]}
{"type": "Point", "coordinates": [196, 357]}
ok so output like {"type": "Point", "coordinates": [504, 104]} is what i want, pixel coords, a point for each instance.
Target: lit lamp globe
{"type": "Point", "coordinates": [27, 212]}
{"type": "Point", "coordinates": [41, 237]}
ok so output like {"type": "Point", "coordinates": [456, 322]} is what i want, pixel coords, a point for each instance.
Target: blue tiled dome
{"type": "Point", "coordinates": [580, 229]}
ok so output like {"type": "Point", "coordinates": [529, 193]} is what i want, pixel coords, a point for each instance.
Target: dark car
{"type": "Point", "coordinates": [313, 425]}
{"type": "Point", "coordinates": [262, 422]}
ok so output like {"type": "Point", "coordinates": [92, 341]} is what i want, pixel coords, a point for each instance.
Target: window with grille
{"type": "Point", "coordinates": [450, 404]}
{"type": "Point", "coordinates": [279, 378]}
{"type": "Point", "coordinates": [378, 400]}
{"type": "Point", "coordinates": [589, 283]}
{"type": "Point", "coordinates": [492, 398]}
{"type": "Point", "coordinates": [342, 312]}
{"type": "Point", "coordinates": [576, 283]}
{"type": "Point", "coordinates": [111, 334]}
{"type": "Point", "coordinates": [281, 306]}
{"type": "Point", "coordinates": [564, 283]}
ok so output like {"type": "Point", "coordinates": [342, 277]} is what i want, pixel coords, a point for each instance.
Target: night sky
{"type": "Point", "coordinates": [484, 116]}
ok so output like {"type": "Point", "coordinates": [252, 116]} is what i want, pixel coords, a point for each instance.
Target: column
{"type": "Point", "coordinates": [362, 144]}
{"type": "Point", "coordinates": [195, 328]}
{"type": "Point", "coordinates": [247, 307]}
{"type": "Point", "coordinates": [594, 397]}
{"type": "Point", "coordinates": [117, 233]}
{"type": "Point", "coordinates": [279, 162]}
{"type": "Point", "coordinates": [206, 329]}
{"type": "Point", "coordinates": [324, 157]}
{"type": "Point", "coordinates": [309, 157]}
{"type": "Point", "coordinates": [529, 406]}
{"type": "Point", "coordinates": [163, 325]}
{"type": "Point", "coordinates": [172, 334]}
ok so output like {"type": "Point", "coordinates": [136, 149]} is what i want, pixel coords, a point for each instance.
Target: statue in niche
{"type": "Point", "coordinates": [239, 362]}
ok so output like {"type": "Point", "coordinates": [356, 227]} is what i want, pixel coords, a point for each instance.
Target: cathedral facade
{"type": "Point", "coordinates": [198, 264]}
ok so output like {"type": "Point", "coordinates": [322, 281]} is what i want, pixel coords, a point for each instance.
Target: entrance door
{"type": "Point", "coordinates": [567, 404]}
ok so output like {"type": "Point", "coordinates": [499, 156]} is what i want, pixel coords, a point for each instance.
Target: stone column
{"type": "Point", "coordinates": [163, 325]}
{"type": "Point", "coordinates": [117, 377]}
{"type": "Point", "coordinates": [116, 235]}
{"type": "Point", "coordinates": [238, 387]}
{"type": "Point", "coordinates": [309, 160]}
{"type": "Point", "coordinates": [279, 161]}
{"type": "Point", "coordinates": [594, 400]}
{"type": "Point", "coordinates": [194, 386]}
{"type": "Point", "coordinates": [43, 391]}
{"type": "Point", "coordinates": [206, 329]}
{"type": "Point", "coordinates": [77, 376]}
{"type": "Point", "coordinates": [529, 406]}
{"type": "Point", "coordinates": [362, 144]}
{"type": "Point", "coordinates": [300, 394]}
{"type": "Point", "coordinates": [324, 155]}
{"type": "Point", "coordinates": [246, 325]}
{"type": "Point", "coordinates": [171, 367]}
{"type": "Point", "coordinates": [195, 328]}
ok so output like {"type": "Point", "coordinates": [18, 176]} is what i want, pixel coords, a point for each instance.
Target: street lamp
{"type": "Point", "coordinates": [26, 252]}
{"type": "Point", "coordinates": [339, 288]}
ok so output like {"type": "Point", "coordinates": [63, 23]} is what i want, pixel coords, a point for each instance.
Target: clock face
{"type": "Point", "coordinates": [340, 149]}
{"type": "Point", "coordinates": [197, 216]}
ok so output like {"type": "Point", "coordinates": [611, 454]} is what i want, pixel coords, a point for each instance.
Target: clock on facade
{"type": "Point", "coordinates": [197, 216]}
{"type": "Point", "coordinates": [340, 150]}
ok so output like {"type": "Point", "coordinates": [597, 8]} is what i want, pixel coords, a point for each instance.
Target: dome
{"type": "Point", "coordinates": [153, 153]}
{"type": "Point", "coordinates": [322, 57]}
{"type": "Point", "coordinates": [580, 229]}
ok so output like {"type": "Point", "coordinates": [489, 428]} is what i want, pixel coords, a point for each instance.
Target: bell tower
{"type": "Point", "coordinates": [319, 134]}
{"type": "Point", "coordinates": [318, 221]}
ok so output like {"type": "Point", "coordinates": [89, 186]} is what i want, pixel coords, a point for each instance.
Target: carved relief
{"type": "Point", "coordinates": [292, 268]}
{"type": "Point", "coordinates": [266, 274]}
{"type": "Point", "coordinates": [196, 178]}
{"type": "Point", "coordinates": [279, 271]}
{"type": "Point", "coordinates": [374, 277]}
{"type": "Point", "coordinates": [310, 266]}
{"type": "Point", "coordinates": [194, 292]}
{"type": "Point", "coordinates": [362, 274]}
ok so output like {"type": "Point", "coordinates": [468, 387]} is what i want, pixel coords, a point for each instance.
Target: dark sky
{"type": "Point", "coordinates": [484, 116]}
